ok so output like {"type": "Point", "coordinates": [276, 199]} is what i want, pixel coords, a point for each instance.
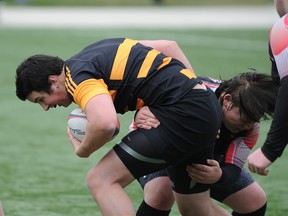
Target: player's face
{"type": "Point", "coordinates": [234, 121]}
{"type": "Point", "coordinates": [57, 97]}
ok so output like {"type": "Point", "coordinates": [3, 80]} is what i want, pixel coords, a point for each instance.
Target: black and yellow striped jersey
{"type": "Point", "coordinates": [131, 73]}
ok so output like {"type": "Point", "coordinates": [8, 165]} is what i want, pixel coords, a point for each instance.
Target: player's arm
{"type": "Point", "coordinates": [277, 137]}
{"type": "Point", "coordinates": [281, 7]}
{"type": "Point", "coordinates": [169, 48]}
{"type": "Point", "coordinates": [102, 122]}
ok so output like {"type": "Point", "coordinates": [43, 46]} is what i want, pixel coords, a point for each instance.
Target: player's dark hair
{"type": "Point", "coordinates": [254, 93]}
{"type": "Point", "coordinates": [33, 73]}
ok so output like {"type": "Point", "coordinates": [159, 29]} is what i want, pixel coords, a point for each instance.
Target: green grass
{"type": "Point", "coordinates": [40, 175]}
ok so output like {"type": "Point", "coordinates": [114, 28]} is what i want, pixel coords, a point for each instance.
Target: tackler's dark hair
{"type": "Point", "coordinates": [254, 93]}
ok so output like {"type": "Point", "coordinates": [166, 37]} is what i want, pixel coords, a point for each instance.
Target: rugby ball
{"type": "Point", "coordinates": [77, 122]}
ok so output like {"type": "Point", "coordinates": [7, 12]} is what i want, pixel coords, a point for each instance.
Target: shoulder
{"type": "Point", "coordinates": [210, 82]}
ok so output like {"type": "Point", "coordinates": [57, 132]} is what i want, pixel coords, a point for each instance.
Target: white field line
{"type": "Point", "coordinates": [140, 17]}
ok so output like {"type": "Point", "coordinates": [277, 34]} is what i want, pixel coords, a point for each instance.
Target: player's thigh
{"type": "Point", "coordinates": [143, 151]}
{"type": "Point", "coordinates": [149, 177]}
{"type": "Point", "coordinates": [248, 199]}
{"type": "Point", "coordinates": [109, 170]}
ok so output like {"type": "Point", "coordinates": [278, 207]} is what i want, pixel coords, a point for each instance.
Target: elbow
{"type": "Point", "coordinates": [111, 131]}
{"type": "Point", "coordinates": [107, 130]}
{"type": "Point", "coordinates": [172, 44]}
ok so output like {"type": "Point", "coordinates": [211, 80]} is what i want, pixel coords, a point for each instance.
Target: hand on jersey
{"type": "Point", "coordinates": [145, 119]}
{"type": "Point", "coordinates": [258, 163]}
{"type": "Point", "coordinates": [205, 174]}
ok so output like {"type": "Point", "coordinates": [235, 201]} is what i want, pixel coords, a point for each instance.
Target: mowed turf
{"type": "Point", "coordinates": [40, 175]}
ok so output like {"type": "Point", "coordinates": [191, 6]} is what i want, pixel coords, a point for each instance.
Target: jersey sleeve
{"type": "Point", "coordinates": [277, 137]}
{"type": "Point", "coordinates": [82, 85]}
{"type": "Point", "coordinates": [237, 154]}
{"type": "Point", "coordinates": [240, 147]}
{"type": "Point", "coordinates": [88, 89]}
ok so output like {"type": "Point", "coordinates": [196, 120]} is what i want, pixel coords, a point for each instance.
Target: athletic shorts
{"type": "Point", "coordinates": [220, 192]}
{"type": "Point", "coordinates": [185, 135]}
{"type": "Point", "coordinates": [217, 192]}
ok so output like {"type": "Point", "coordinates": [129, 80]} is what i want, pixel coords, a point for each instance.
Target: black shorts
{"type": "Point", "coordinates": [220, 192]}
{"type": "Point", "coordinates": [217, 192]}
{"type": "Point", "coordinates": [186, 134]}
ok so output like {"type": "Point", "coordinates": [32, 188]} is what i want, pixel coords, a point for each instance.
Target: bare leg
{"type": "Point", "coordinates": [1, 210]}
{"type": "Point", "coordinates": [198, 204]}
{"type": "Point", "coordinates": [158, 193]}
{"type": "Point", "coordinates": [247, 200]}
{"type": "Point", "coordinates": [106, 181]}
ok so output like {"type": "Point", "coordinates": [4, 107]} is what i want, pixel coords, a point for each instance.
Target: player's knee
{"type": "Point", "coordinates": [195, 204]}
{"type": "Point", "coordinates": [259, 200]}
{"type": "Point", "coordinates": [94, 181]}
{"type": "Point", "coordinates": [195, 208]}
{"type": "Point", "coordinates": [162, 198]}
{"type": "Point", "coordinates": [259, 212]}
{"type": "Point", "coordinates": [159, 194]}
{"type": "Point", "coordinates": [188, 210]}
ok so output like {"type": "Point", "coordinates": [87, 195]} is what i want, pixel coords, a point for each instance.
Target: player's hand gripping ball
{"type": "Point", "coordinates": [77, 122]}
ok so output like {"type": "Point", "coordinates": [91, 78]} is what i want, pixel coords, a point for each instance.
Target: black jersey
{"type": "Point", "coordinates": [133, 74]}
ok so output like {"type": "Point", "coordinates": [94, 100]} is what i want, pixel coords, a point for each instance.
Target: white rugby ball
{"type": "Point", "coordinates": [77, 122]}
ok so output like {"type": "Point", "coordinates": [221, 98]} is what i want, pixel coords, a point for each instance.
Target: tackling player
{"type": "Point", "coordinates": [245, 99]}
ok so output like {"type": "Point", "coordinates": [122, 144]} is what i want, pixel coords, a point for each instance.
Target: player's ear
{"type": "Point", "coordinates": [53, 79]}
{"type": "Point", "coordinates": [227, 101]}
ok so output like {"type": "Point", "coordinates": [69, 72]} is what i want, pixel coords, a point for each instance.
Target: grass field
{"type": "Point", "coordinates": [40, 175]}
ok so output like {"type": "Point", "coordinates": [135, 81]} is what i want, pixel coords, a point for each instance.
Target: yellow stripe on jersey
{"type": "Point", "coordinates": [88, 89]}
{"type": "Point", "coordinates": [121, 59]}
{"type": "Point", "coordinates": [113, 93]}
{"type": "Point", "coordinates": [165, 62]}
{"type": "Point", "coordinates": [140, 104]}
{"type": "Point", "coordinates": [188, 73]}
{"type": "Point", "coordinates": [69, 83]}
{"type": "Point", "coordinates": [147, 63]}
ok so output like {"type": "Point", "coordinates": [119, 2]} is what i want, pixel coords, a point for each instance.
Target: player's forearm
{"type": "Point", "coordinates": [169, 48]}
{"type": "Point", "coordinates": [94, 139]}
{"type": "Point", "coordinates": [277, 137]}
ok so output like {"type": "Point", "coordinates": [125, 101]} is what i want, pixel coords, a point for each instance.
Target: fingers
{"type": "Point", "coordinates": [218, 134]}
{"type": "Point", "coordinates": [68, 132]}
{"type": "Point", "coordinates": [148, 123]}
{"type": "Point", "coordinates": [259, 171]}
{"type": "Point", "coordinates": [259, 163]}
{"type": "Point", "coordinates": [212, 162]}
{"type": "Point", "coordinates": [146, 119]}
